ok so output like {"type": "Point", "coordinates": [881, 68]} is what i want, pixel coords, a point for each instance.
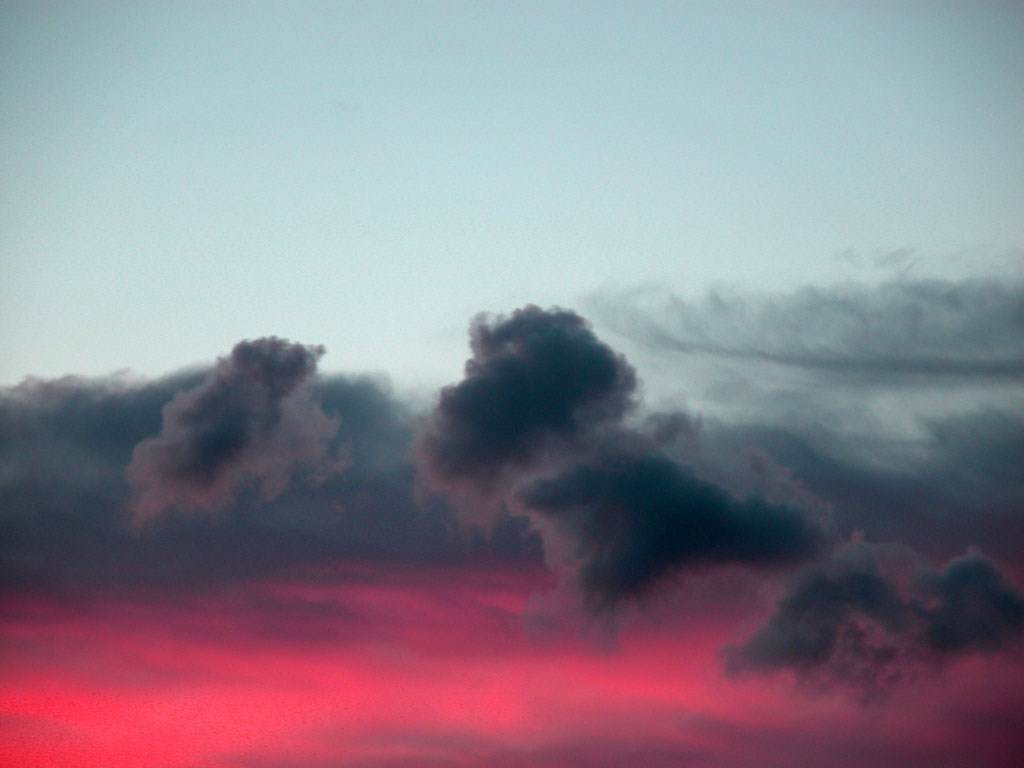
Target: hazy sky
{"type": "Point", "coordinates": [368, 176]}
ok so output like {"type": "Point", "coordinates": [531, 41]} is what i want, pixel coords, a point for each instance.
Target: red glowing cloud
{"type": "Point", "coordinates": [441, 667]}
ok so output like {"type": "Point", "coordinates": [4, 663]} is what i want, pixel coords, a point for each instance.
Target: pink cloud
{"type": "Point", "coordinates": [414, 667]}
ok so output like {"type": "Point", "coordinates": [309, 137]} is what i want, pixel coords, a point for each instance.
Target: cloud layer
{"type": "Point", "coordinates": [253, 419]}
{"type": "Point", "coordinates": [541, 385]}
{"type": "Point", "coordinates": [931, 330]}
{"type": "Point", "coordinates": [69, 511]}
{"type": "Point", "coordinates": [847, 621]}
{"type": "Point", "coordinates": [676, 528]}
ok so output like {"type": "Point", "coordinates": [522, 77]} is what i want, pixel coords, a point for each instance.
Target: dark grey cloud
{"type": "Point", "coordinates": [536, 378]}
{"type": "Point", "coordinates": [956, 481]}
{"type": "Point", "coordinates": [637, 518]}
{"type": "Point", "coordinates": [543, 408]}
{"type": "Point", "coordinates": [851, 621]}
{"type": "Point", "coordinates": [308, 471]}
{"type": "Point", "coordinates": [969, 605]}
{"type": "Point", "coordinates": [896, 406]}
{"type": "Point", "coordinates": [66, 505]}
{"type": "Point", "coordinates": [931, 330]}
{"type": "Point", "coordinates": [840, 619]}
{"type": "Point", "coordinates": [252, 420]}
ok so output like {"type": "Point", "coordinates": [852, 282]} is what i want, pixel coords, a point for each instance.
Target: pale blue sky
{"type": "Point", "coordinates": [177, 176]}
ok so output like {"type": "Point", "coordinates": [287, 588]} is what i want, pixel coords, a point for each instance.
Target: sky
{"type": "Point", "coordinates": [370, 175]}
{"type": "Point", "coordinates": [448, 384]}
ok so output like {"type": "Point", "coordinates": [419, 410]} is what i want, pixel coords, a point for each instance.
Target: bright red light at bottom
{"type": "Point", "coordinates": [441, 668]}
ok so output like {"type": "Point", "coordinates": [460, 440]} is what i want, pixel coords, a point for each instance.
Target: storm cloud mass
{"type": "Point", "coordinates": [261, 465]}
{"type": "Point", "coordinates": [541, 384]}
{"type": "Point", "coordinates": [847, 621]}
{"type": "Point", "coordinates": [637, 518]}
{"type": "Point", "coordinates": [969, 605]}
{"type": "Point", "coordinates": [253, 418]}
{"type": "Point", "coordinates": [70, 513]}
{"type": "Point", "coordinates": [783, 528]}
{"type": "Point", "coordinates": [536, 378]}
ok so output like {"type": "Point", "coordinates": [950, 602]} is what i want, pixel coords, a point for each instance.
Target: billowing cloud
{"type": "Point", "coordinates": [897, 405]}
{"type": "Point", "coordinates": [541, 384]}
{"type": "Point", "coordinates": [252, 420]}
{"type": "Point", "coordinates": [67, 507]}
{"type": "Point", "coordinates": [839, 620]}
{"type": "Point", "coordinates": [637, 518]}
{"type": "Point", "coordinates": [687, 519]}
{"type": "Point", "coordinates": [969, 605]}
{"type": "Point", "coordinates": [536, 378]}
{"type": "Point", "coordinates": [848, 620]}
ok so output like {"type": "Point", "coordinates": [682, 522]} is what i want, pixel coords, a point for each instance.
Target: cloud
{"type": "Point", "coordinates": [252, 420]}
{"type": "Point", "coordinates": [897, 406]}
{"type": "Point", "coordinates": [942, 331]}
{"type": "Point", "coordinates": [537, 379]}
{"type": "Point", "coordinates": [67, 507]}
{"type": "Point", "coordinates": [542, 409]}
{"type": "Point", "coordinates": [849, 621]}
{"type": "Point", "coordinates": [955, 480]}
{"type": "Point", "coordinates": [637, 518]}
{"type": "Point", "coordinates": [969, 605]}
{"type": "Point", "coordinates": [842, 616]}
{"type": "Point", "coordinates": [668, 527]}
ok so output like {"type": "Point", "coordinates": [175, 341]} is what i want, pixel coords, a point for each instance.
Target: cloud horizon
{"type": "Point", "coordinates": [259, 482]}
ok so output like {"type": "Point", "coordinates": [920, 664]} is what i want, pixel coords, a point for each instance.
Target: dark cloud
{"type": "Point", "coordinates": [896, 407]}
{"type": "Point", "coordinates": [635, 519]}
{"type": "Point", "coordinates": [934, 331]}
{"type": "Point", "coordinates": [543, 408]}
{"type": "Point", "coordinates": [850, 621]}
{"type": "Point", "coordinates": [969, 605]}
{"type": "Point", "coordinates": [543, 422]}
{"type": "Point", "coordinates": [536, 378]}
{"type": "Point", "coordinates": [840, 620]}
{"type": "Point", "coordinates": [65, 504]}
{"type": "Point", "coordinates": [956, 481]}
{"type": "Point", "coordinates": [252, 420]}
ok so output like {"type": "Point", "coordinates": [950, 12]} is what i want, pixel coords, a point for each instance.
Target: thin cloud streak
{"type": "Point", "coordinates": [936, 331]}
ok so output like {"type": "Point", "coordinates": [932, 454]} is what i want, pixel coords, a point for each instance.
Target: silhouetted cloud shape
{"type": "Point", "coordinates": [252, 420]}
{"type": "Point", "coordinates": [896, 405]}
{"type": "Point", "coordinates": [543, 423]}
{"type": "Point", "coordinates": [636, 519]}
{"type": "Point", "coordinates": [541, 385]}
{"type": "Point", "coordinates": [820, 622]}
{"type": "Point", "coordinates": [536, 377]}
{"type": "Point", "coordinates": [969, 605]}
{"type": "Point", "coordinates": [846, 621]}
{"type": "Point", "coordinates": [956, 481]}
{"type": "Point", "coordinates": [938, 330]}
{"type": "Point", "coordinates": [65, 503]}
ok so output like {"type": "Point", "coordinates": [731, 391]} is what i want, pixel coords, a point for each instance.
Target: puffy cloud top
{"type": "Point", "coordinates": [252, 419]}
{"type": "Point", "coordinates": [536, 377]}
{"type": "Point", "coordinates": [847, 620]}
